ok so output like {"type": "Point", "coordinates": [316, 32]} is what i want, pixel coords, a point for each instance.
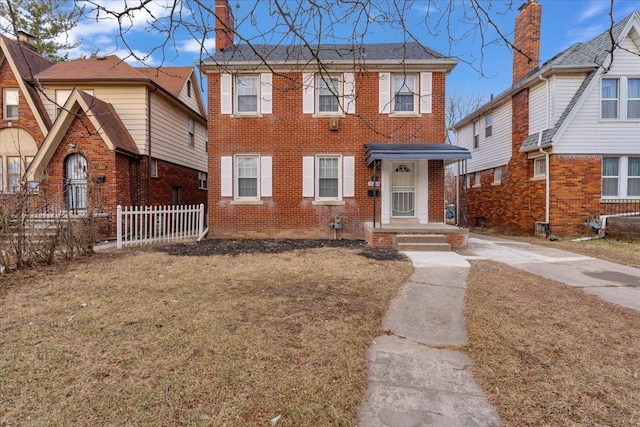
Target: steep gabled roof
{"type": "Point", "coordinates": [585, 57]}
{"type": "Point", "coordinates": [101, 68]}
{"type": "Point", "coordinates": [103, 118]}
{"type": "Point", "coordinates": [172, 79]}
{"type": "Point", "coordinates": [109, 121]}
{"type": "Point", "coordinates": [26, 63]}
{"type": "Point", "coordinates": [370, 53]}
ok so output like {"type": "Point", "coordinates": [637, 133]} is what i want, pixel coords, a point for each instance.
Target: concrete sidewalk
{"type": "Point", "coordinates": [413, 382]}
{"type": "Point", "coordinates": [612, 282]}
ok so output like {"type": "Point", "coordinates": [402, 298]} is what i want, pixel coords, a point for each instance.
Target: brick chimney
{"type": "Point", "coordinates": [224, 25]}
{"type": "Point", "coordinates": [28, 40]}
{"type": "Point", "coordinates": [526, 54]}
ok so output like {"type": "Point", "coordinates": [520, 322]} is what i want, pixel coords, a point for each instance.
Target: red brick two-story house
{"type": "Point", "coordinates": [301, 137]}
{"type": "Point", "coordinates": [96, 133]}
{"type": "Point", "coordinates": [560, 148]}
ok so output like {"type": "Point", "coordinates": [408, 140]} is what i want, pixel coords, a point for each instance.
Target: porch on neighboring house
{"type": "Point", "coordinates": [408, 181]}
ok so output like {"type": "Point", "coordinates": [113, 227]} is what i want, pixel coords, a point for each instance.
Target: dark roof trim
{"type": "Point", "coordinates": [414, 151]}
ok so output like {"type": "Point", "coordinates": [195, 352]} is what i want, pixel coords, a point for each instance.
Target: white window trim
{"type": "Point", "coordinates": [628, 97]}
{"type": "Point", "coordinates": [622, 100]}
{"type": "Point", "coordinates": [424, 88]}
{"type": "Point", "coordinates": [488, 125]}
{"type": "Point", "coordinates": [228, 178]}
{"type": "Point", "coordinates": [236, 177]}
{"type": "Point", "coordinates": [228, 95]}
{"type": "Point", "coordinates": [191, 129]}
{"type": "Point", "coordinates": [476, 135]}
{"type": "Point", "coordinates": [15, 93]}
{"type": "Point", "coordinates": [497, 172]}
{"type": "Point", "coordinates": [154, 168]}
{"type": "Point", "coordinates": [623, 179]}
{"type": "Point", "coordinates": [346, 99]}
{"type": "Point", "coordinates": [318, 79]}
{"type": "Point", "coordinates": [477, 179]}
{"type": "Point", "coordinates": [536, 162]}
{"type": "Point", "coordinates": [317, 177]}
{"type": "Point", "coordinates": [202, 183]}
{"type": "Point", "coordinates": [346, 178]}
{"type": "Point", "coordinates": [416, 95]}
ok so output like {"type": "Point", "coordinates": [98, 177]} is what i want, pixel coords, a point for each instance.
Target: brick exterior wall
{"type": "Point", "coordinates": [526, 40]}
{"type": "Point", "coordinates": [287, 135]}
{"type": "Point", "coordinates": [172, 176]}
{"type": "Point", "coordinates": [26, 119]}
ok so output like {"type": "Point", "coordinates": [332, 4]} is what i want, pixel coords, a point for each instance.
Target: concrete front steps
{"type": "Point", "coordinates": [422, 242]}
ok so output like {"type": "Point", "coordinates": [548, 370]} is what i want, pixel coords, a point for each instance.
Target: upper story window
{"type": "Point", "coordinates": [610, 93]}
{"type": "Point", "coordinates": [620, 98]}
{"type": "Point", "coordinates": [488, 125]}
{"type": "Point", "coordinates": [329, 93]}
{"type": "Point", "coordinates": [245, 94]}
{"type": "Point", "coordinates": [540, 167]}
{"type": "Point", "coordinates": [476, 134]}
{"type": "Point", "coordinates": [633, 98]}
{"type": "Point", "coordinates": [10, 102]}
{"type": "Point", "coordinates": [192, 132]}
{"type": "Point", "coordinates": [404, 93]}
{"type": "Point", "coordinates": [189, 88]}
{"type": "Point", "coordinates": [621, 177]}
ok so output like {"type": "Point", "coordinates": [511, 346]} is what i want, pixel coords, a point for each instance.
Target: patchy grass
{"type": "Point", "coordinates": [148, 338]}
{"type": "Point", "coordinates": [549, 354]}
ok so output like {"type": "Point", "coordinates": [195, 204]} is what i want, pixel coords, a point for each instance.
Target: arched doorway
{"type": "Point", "coordinates": [75, 180]}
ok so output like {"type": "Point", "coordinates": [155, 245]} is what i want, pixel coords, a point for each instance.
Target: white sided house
{"type": "Point", "coordinates": [561, 146]}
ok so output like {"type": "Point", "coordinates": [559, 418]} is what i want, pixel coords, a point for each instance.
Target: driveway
{"type": "Point", "coordinates": [611, 282]}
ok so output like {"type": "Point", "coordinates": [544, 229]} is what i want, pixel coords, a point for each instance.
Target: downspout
{"type": "Point", "coordinates": [546, 154]}
{"type": "Point", "coordinates": [149, 144]}
{"type": "Point", "coordinates": [546, 177]}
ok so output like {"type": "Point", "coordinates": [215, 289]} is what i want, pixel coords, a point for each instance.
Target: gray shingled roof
{"type": "Point", "coordinates": [579, 56]}
{"type": "Point", "coordinates": [326, 53]}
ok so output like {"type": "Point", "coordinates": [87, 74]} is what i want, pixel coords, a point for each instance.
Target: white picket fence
{"type": "Point", "coordinates": [139, 225]}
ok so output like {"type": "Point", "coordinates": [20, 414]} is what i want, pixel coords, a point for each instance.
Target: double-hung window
{"type": "Point", "coordinates": [202, 180]}
{"type": "Point", "coordinates": [328, 178]}
{"type": "Point", "coordinates": [488, 125]}
{"type": "Point", "coordinates": [404, 93]}
{"type": "Point", "coordinates": [610, 96]}
{"type": "Point", "coordinates": [329, 93]}
{"type": "Point", "coordinates": [10, 102]}
{"type": "Point", "coordinates": [247, 182]}
{"type": "Point", "coordinates": [497, 175]}
{"type": "Point", "coordinates": [621, 177]}
{"type": "Point", "coordinates": [476, 134]}
{"type": "Point", "coordinates": [540, 167]}
{"type": "Point", "coordinates": [328, 173]}
{"type": "Point", "coordinates": [633, 98]}
{"type": "Point", "coordinates": [247, 94]}
{"type": "Point", "coordinates": [192, 132]}
{"type": "Point", "coordinates": [245, 177]}
{"type": "Point", "coordinates": [14, 173]}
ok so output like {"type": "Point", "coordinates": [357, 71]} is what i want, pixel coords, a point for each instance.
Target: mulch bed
{"type": "Point", "coordinates": [235, 247]}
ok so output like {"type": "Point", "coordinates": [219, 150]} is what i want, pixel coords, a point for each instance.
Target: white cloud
{"type": "Point", "coordinates": [593, 8]}
{"type": "Point", "coordinates": [193, 46]}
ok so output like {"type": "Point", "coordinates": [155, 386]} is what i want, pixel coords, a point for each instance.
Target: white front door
{"type": "Point", "coordinates": [403, 190]}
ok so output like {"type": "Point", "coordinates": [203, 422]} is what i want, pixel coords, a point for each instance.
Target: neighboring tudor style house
{"type": "Point", "coordinates": [301, 136]}
{"type": "Point", "coordinates": [562, 145]}
{"type": "Point", "coordinates": [98, 132]}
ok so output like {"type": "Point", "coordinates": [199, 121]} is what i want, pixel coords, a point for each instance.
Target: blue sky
{"type": "Point", "coordinates": [564, 22]}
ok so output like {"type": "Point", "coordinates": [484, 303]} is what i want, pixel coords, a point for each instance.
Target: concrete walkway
{"type": "Point", "coordinates": [612, 282]}
{"type": "Point", "coordinates": [413, 382]}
